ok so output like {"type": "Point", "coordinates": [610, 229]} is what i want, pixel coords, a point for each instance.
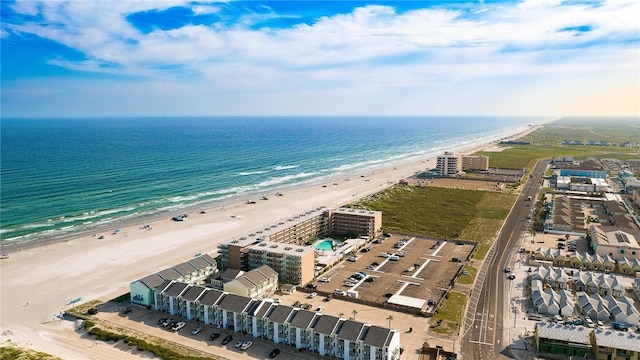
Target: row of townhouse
{"type": "Point", "coordinates": [262, 318]}
{"type": "Point", "coordinates": [586, 261]}
{"type": "Point", "coordinates": [195, 271]}
{"type": "Point", "coordinates": [551, 302]}
{"type": "Point", "coordinates": [587, 281]}
{"type": "Point", "coordinates": [608, 308]}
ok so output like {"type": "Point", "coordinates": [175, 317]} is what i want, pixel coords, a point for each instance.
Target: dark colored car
{"type": "Point", "coordinates": [214, 336]}
{"type": "Point", "coordinates": [92, 311]}
{"type": "Point", "coordinates": [274, 353]}
{"type": "Point", "coordinates": [227, 339]}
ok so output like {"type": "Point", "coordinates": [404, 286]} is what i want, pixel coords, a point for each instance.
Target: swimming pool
{"type": "Point", "coordinates": [324, 245]}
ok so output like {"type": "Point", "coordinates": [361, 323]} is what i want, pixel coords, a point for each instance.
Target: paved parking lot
{"type": "Point", "coordinates": [424, 269]}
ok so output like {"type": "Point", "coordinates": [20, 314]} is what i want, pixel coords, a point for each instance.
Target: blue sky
{"type": "Point", "coordinates": [200, 58]}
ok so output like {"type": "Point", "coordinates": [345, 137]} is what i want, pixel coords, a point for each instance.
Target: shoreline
{"type": "Point", "coordinates": [39, 281]}
{"type": "Point", "coordinates": [8, 248]}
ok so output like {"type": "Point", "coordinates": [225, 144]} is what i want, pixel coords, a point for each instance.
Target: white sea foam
{"type": "Point", "coordinates": [257, 172]}
{"type": "Point", "coordinates": [285, 167]}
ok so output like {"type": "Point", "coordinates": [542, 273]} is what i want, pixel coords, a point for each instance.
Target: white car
{"type": "Point", "coordinates": [239, 343]}
{"type": "Point", "coordinates": [313, 294]}
{"type": "Point", "coordinates": [246, 345]}
{"type": "Point", "coordinates": [589, 323]}
{"type": "Point", "coordinates": [325, 280]}
{"type": "Point", "coordinates": [600, 324]}
{"type": "Point", "coordinates": [320, 309]}
{"type": "Point", "coordinates": [179, 326]}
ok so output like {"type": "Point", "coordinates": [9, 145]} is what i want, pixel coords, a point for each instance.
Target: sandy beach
{"type": "Point", "coordinates": [39, 282]}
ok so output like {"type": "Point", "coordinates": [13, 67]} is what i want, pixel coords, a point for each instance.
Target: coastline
{"type": "Point", "coordinates": [39, 280]}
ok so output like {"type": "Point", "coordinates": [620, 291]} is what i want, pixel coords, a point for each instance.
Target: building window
{"type": "Point", "coordinates": [621, 251]}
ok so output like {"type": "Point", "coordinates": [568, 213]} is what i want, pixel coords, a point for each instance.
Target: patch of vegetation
{"type": "Point", "coordinates": [447, 320]}
{"type": "Point", "coordinates": [435, 212]}
{"type": "Point", "coordinates": [140, 344]}
{"type": "Point", "coordinates": [14, 352]}
{"type": "Point", "coordinates": [443, 213]}
{"type": "Point", "coordinates": [547, 142]}
{"type": "Point", "coordinates": [80, 310]}
{"type": "Point", "coordinates": [616, 131]}
{"type": "Point", "coordinates": [470, 278]}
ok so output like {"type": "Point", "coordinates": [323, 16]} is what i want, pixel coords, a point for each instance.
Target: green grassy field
{"type": "Point", "coordinates": [468, 276]}
{"type": "Point", "coordinates": [447, 320]}
{"type": "Point", "coordinates": [443, 213]}
{"type": "Point", "coordinates": [547, 142]}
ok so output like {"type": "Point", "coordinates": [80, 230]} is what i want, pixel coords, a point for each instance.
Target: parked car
{"type": "Point", "coordinates": [319, 308]}
{"type": "Point", "coordinates": [590, 323]}
{"type": "Point", "coordinates": [274, 353]}
{"type": "Point", "coordinates": [578, 322]}
{"type": "Point", "coordinates": [507, 269]}
{"type": "Point", "coordinates": [178, 326]}
{"type": "Point", "coordinates": [600, 324]}
{"type": "Point", "coordinates": [394, 258]}
{"type": "Point", "coordinates": [246, 345]}
{"type": "Point", "coordinates": [325, 280]}
{"type": "Point", "coordinates": [166, 322]}
{"type": "Point", "coordinates": [238, 343]}
{"type": "Point", "coordinates": [326, 299]}
{"type": "Point", "coordinates": [619, 326]}
{"type": "Point", "coordinates": [511, 276]}
{"type": "Point", "coordinates": [196, 331]}
{"type": "Point", "coordinates": [313, 294]}
{"type": "Point", "coordinates": [455, 259]}
{"type": "Point", "coordinates": [214, 336]}
{"type": "Point", "coordinates": [227, 339]}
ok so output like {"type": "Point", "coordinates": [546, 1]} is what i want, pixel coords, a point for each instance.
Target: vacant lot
{"type": "Point", "coordinates": [448, 213]}
{"type": "Point", "coordinates": [424, 272]}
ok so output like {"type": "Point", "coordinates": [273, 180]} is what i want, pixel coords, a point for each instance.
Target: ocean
{"type": "Point", "coordinates": [63, 176]}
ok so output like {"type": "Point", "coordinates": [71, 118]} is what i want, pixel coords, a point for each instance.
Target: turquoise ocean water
{"type": "Point", "coordinates": [60, 176]}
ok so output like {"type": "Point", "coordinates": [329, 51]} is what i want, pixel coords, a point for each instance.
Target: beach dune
{"type": "Point", "coordinates": [40, 282]}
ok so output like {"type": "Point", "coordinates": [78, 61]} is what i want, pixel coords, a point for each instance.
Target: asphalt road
{"type": "Point", "coordinates": [486, 329]}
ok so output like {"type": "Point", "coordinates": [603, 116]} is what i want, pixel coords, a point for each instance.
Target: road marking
{"type": "Point", "coordinates": [480, 342]}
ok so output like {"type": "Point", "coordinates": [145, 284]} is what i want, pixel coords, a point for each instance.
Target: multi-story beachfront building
{"type": "Point", "coordinates": [475, 162]}
{"type": "Point", "coordinates": [315, 332]}
{"type": "Point", "coordinates": [287, 245]}
{"type": "Point", "coordinates": [448, 164]}
{"type": "Point", "coordinates": [293, 263]}
{"type": "Point", "coordinates": [355, 222]}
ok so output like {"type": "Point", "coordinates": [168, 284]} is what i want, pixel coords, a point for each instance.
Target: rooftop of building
{"type": "Point", "coordinates": [618, 340]}
{"type": "Point", "coordinates": [258, 235]}
{"type": "Point", "coordinates": [280, 248]}
{"type": "Point", "coordinates": [569, 333]}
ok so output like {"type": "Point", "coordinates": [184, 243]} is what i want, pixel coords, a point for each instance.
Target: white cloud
{"type": "Point", "coordinates": [373, 52]}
